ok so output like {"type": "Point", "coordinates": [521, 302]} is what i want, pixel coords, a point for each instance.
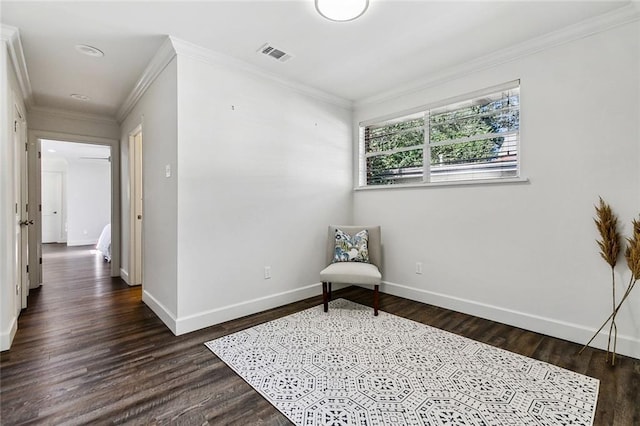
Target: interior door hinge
{"type": "Point", "coordinates": [39, 207]}
{"type": "Point", "coordinates": [15, 125]}
{"type": "Point", "coordinates": [41, 261]}
{"type": "Point", "coordinates": [26, 146]}
{"type": "Point", "coordinates": [26, 207]}
{"type": "Point", "coordinates": [27, 269]}
{"type": "Point", "coordinates": [39, 155]}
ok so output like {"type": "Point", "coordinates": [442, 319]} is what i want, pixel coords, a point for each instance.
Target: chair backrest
{"type": "Point", "coordinates": [375, 242]}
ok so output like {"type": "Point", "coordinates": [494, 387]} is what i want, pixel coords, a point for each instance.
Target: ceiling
{"type": "Point", "coordinates": [393, 43]}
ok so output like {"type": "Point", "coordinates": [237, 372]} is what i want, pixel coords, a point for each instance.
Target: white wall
{"type": "Point", "coordinates": [157, 111]}
{"type": "Point", "coordinates": [9, 95]}
{"type": "Point", "coordinates": [59, 121]}
{"type": "Point", "coordinates": [88, 200]}
{"type": "Point", "coordinates": [525, 254]}
{"type": "Point", "coordinates": [262, 170]}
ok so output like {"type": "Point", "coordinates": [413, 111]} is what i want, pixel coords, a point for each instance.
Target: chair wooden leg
{"type": "Point", "coordinates": [325, 296]}
{"type": "Point", "coordinates": [329, 290]}
{"type": "Point", "coordinates": [376, 299]}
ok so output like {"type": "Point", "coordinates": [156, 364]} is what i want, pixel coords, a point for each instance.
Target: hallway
{"type": "Point", "coordinates": [88, 351]}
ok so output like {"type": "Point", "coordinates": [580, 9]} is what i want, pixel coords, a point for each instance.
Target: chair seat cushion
{"type": "Point", "coordinates": [351, 273]}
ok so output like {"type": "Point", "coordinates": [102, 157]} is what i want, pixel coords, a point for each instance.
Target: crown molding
{"type": "Point", "coordinates": [202, 54]}
{"type": "Point", "coordinates": [160, 60]}
{"type": "Point", "coordinates": [11, 36]}
{"type": "Point", "coordinates": [621, 16]}
{"type": "Point", "coordinates": [71, 115]}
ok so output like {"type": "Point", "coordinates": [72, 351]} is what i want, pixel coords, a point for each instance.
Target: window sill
{"type": "Point", "coordinates": [505, 181]}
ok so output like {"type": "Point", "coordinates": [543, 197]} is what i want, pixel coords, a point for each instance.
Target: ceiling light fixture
{"type": "Point", "coordinates": [89, 50]}
{"type": "Point", "coordinates": [341, 10]}
{"type": "Point", "coordinates": [79, 97]}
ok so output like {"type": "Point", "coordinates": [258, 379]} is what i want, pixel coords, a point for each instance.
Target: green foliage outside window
{"type": "Point", "coordinates": [472, 134]}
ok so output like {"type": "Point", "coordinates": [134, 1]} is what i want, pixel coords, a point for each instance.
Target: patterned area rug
{"type": "Point", "coordinates": [347, 367]}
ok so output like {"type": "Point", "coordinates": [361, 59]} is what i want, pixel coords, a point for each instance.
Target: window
{"type": "Point", "coordinates": [475, 137]}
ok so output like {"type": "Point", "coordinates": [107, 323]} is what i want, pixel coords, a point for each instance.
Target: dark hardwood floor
{"type": "Point", "coordinates": [88, 351]}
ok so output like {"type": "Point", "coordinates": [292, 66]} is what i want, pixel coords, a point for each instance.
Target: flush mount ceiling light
{"type": "Point", "coordinates": [89, 50]}
{"type": "Point", "coordinates": [79, 97]}
{"type": "Point", "coordinates": [341, 10]}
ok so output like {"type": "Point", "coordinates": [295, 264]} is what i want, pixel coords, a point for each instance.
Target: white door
{"type": "Point", "coordinates": [26, 221]}
{"type": "Point", "coordinates": [21, 218]}
{"type": "Point", "coordinates": [51, 207]}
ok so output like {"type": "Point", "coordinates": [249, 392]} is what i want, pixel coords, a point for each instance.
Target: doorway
{"type": "Point", "coordinates": [75, 201]}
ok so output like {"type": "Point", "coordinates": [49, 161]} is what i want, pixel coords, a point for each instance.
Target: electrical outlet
{"type": "Point", "coordinates": [419, 268]}
{"type": "Point", "coordinates": [267, 272]}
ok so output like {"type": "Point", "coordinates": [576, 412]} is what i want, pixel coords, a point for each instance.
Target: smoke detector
{"type": "Point", "coordinates": [85, 49]}
{"type": "Point", "coordinates": [275, 53]}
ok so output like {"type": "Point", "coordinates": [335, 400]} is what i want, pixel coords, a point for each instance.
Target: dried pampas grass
{"type": "Point", "coordinates": [632, 253]}
{"type": "Point", "coordinates": [607, 225]}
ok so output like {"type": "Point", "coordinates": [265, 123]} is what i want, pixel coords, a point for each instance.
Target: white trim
{"type": "Point", "coordinates": [125, 276]}
{"type": "Point", "coordinates": [621, 16]}
{"type": "Point", "coordinates": [627, 345]}
{"type": "Point", "coordinates": [6, 338]}
{"type": "Point", "coordinates": [72, 115]}
{"type": "Point", "coordinates": [199, 53]}
{"type": "Point", "coordinates": [160, 60]}
{"type": "Point", "coordinates": [165, 315]}
{"type": "Point", "coordinates": [12, 36]}
{"type": "Point", "coordinates": [237, 310]}
{"type": "Point", "coordinates": [494, 181]}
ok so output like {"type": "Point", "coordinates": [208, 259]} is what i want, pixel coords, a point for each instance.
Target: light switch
{"type": "Point", "coordinates": [167, 170]}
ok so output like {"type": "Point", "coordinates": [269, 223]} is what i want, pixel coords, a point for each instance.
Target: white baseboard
{"type": "Point", "coordinates": [125, 276]}
{"type": "Point", "coordinates": [87, 242]}
{"type": "Point", "coordinates": [167, 317]}
{"type": "Point", "coordinates": [627, 345]}
{"type": "Point", "coordinates": [6, 338]}
{"type": "Point", "coordinates": [238, 310]}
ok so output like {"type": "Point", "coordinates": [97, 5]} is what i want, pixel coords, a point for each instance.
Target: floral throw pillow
{"type": "Point", "coordinates": [351, 249]}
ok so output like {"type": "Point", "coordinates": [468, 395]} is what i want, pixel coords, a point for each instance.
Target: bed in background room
{"type": "Point", "coordinates": [104, 243]}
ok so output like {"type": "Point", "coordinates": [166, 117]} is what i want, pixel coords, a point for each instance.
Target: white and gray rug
{"type": "Point", "coordinates": [347, 367]}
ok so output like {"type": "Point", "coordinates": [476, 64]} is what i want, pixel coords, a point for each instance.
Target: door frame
{"type": "Point", "coordinates": [35, 196]}
{"type": "Point", "coordinates": [136, 227]}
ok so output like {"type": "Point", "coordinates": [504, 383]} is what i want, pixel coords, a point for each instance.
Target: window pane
{"type": "Point", "coordinates": [392, 136]}
{"type": "Point", "coordinates": [483, 159]}
{"type": "Point", "coordinates": [477, 117]}
{"type": "Point", "coordinates": [461, 124]}
{"type": "Point", "coordinates": [401, 167]}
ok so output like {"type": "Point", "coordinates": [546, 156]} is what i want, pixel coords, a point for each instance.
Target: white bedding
{"type": "Point", "coordinates": [104, 243]}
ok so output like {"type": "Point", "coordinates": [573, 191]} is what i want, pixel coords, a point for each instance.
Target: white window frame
{"type": "Point", "coordinates": [426, 146]}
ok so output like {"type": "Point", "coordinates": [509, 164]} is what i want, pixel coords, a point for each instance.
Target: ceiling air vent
{"type": "Point", "coordinates": [278, 54]}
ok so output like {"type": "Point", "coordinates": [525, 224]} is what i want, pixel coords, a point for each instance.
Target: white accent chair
{"type": "Point", "coordinates": [353, 272]}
